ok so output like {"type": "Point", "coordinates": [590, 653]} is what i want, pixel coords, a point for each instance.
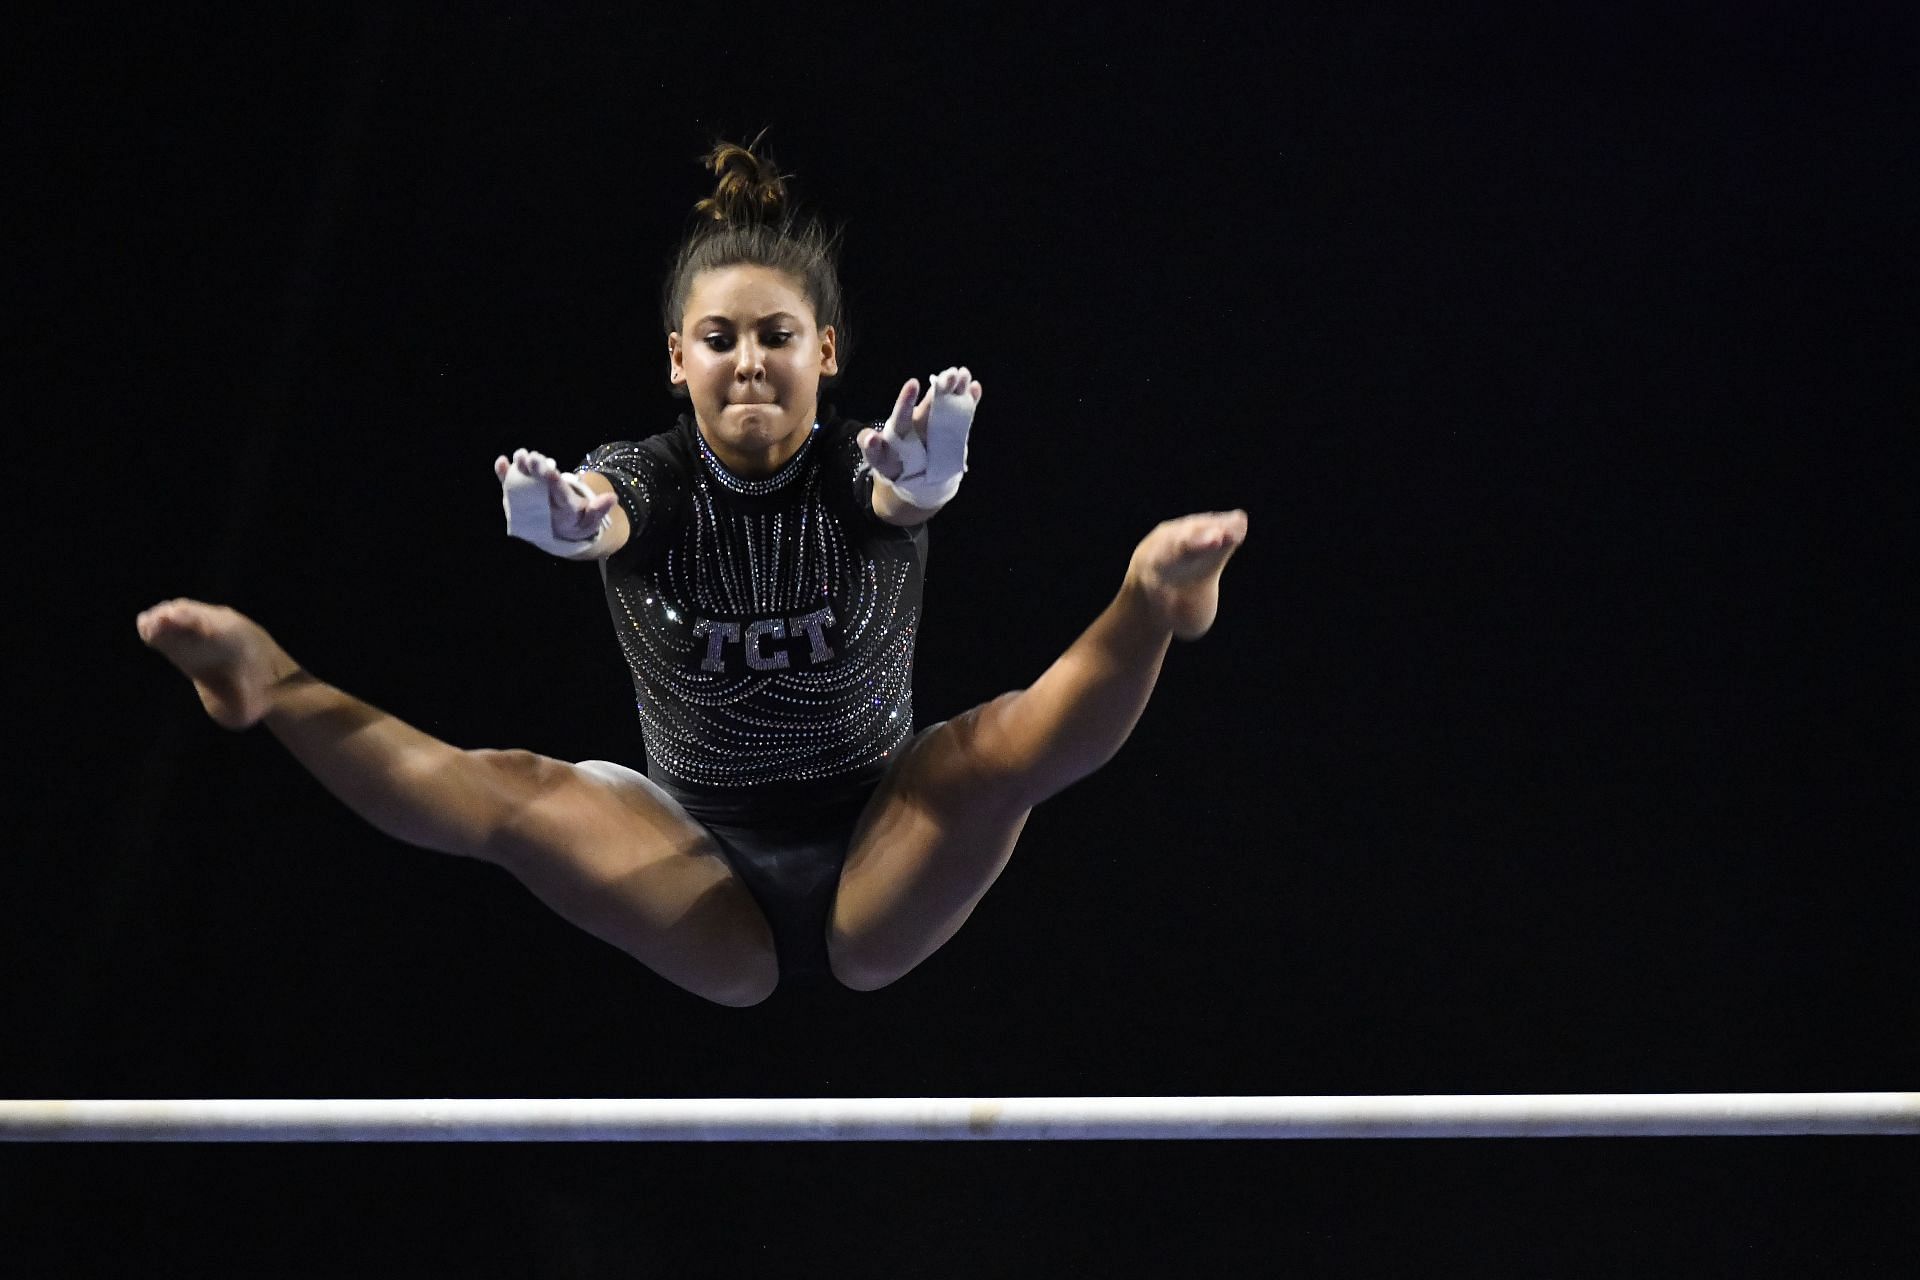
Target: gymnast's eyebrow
{"type": "Point", "coordinates": [778, 315]}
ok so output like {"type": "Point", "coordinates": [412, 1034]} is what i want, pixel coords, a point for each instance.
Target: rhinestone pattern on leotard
{"type": "Point", "coordinates": [717, 600]}
{"type": "Point", "coordinates": [758, 488]}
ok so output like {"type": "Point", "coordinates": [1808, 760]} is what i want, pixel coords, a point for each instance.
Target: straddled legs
{"type": "Point", "coordinates": [597, 843]}
{"type": "Point", "coordinates": [941, 828]}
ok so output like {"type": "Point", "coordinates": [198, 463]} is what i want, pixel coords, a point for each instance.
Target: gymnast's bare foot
{"type": "Point", "coordinates": [1177, 568]}
{"type": "Point", "coordinates": [231, 660]}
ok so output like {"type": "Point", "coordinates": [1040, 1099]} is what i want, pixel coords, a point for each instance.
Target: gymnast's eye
{"type": "Point", "coordinates": [778, 338]}
{"type": "Point", "coordinates": [718, 341]}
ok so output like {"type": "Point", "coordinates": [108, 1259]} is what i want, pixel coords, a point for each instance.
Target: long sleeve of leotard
{"type": "Point", "coordinates": [650, 485]}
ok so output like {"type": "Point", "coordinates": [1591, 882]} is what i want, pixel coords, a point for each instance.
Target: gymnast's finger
{"type": "Point", "coordinates": [878, 452]}
{"type": "Point", "coordinates": [909, 392]}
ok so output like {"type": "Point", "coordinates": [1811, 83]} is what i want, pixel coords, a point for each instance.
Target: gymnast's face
{"type": "Point", "coordinates": [751, 357]}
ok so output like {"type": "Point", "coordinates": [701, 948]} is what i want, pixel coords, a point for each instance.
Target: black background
{"type": "Point", "coordinates": [1558, 733]}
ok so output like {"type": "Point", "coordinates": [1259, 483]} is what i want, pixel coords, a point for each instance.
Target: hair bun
{"type": "Point", "coordinates": [748, 190]}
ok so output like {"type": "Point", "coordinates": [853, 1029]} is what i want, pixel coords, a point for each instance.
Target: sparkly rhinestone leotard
{"type": "Point", "coordinates": [769, 628]}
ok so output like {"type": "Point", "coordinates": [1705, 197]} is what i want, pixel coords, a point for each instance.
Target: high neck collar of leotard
{"type": "Point", "coordinates": [756, 488]}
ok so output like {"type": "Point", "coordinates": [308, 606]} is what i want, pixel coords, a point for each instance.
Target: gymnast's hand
{"type": "Point", "coordinates": [921, 452]}
{"type": "Point", "coordinates": [551, 508]}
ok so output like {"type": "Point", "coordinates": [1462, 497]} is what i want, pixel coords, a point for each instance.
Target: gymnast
{"type": "Point", "coordinates": [762, 562]}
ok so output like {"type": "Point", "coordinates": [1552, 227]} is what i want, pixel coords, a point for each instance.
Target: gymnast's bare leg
{"type": "Point", "coordinates": [941, 828]}
{"type": "Point", "coordinates": [596, 842]}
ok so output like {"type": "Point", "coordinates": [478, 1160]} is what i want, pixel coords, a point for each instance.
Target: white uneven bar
{"type": "Point", "coordinates": [955, 1119]}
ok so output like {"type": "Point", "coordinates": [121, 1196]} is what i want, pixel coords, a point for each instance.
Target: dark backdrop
{"type": "Point", "coordinates": [1558, 733]}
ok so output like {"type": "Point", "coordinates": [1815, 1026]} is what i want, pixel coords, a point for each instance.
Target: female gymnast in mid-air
{"type": "Point", "coordinates": [762, 562]}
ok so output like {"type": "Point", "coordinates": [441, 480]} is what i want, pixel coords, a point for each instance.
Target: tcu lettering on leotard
{"type": "Point", "coordinates": [765, 644]}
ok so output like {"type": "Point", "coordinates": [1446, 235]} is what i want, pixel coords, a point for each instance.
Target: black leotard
{"type": "Point", "coordinates": [768, 624]}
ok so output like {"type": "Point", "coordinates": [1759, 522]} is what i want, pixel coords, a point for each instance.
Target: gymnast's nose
{"type": "Point", "coordinates": [749, 361]}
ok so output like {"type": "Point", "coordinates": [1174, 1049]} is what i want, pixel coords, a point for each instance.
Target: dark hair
{"type": "Point", "coordinates": [748, 220]}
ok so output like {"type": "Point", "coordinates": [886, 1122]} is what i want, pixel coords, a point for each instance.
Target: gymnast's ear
{"type": "Point", "coordinates": [676, 367]}
{"type": "Point", "coordinates": [829, 348]}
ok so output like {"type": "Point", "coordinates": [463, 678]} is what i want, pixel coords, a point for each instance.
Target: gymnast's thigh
{"type": "Point", "coordinates": [932, 841]}
{"type": "Point", "coordinates": [612, 853]}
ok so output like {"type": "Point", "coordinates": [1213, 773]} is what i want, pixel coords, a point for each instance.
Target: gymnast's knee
{"type": "Point", "coordinates": [973, 747]}
{"type": "Point", "coordinates": [509, 804]}
{"type": "Point", "coordinates": [994, 761]}
{"type": "Point", "coordinates": [517, 768]}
